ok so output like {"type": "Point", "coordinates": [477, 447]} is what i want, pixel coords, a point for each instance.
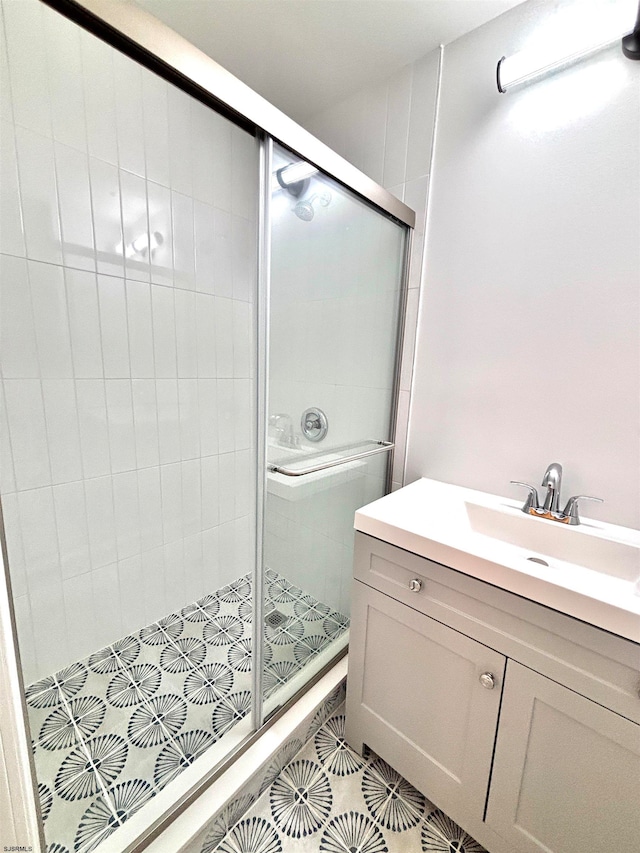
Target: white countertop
{"type": "Point", "coordinates": [432, 519]}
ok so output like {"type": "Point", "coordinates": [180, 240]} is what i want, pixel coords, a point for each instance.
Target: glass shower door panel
{"type": "Point", "coordinates": [336, 284]}
{"type": "Point", "coordinates": [129, 470]}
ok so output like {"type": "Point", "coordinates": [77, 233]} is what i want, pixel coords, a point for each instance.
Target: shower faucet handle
{"type": "Point", "coordinates": [314, 424]}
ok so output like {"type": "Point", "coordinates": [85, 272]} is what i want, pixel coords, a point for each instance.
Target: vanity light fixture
{"type": "Point", "coordinates": [524, 67]}
{"type": "Point", "coordinates": [529, 65]}
{"type": "Point", "coordinates": [631, 42]}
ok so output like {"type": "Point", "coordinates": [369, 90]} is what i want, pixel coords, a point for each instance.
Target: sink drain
{"type": "Point", "coordinates": [538, 560]}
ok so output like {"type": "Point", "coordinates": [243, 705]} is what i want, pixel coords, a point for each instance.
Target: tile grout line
{"type": "Point", "coordinates": [83, 745]}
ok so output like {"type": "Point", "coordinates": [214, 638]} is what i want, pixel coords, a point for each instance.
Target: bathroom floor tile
{"type": "Point", "coordinates": [49, 762]}
{"type": "Point", "coordinates": [226, 820]}
{"type": "Point", "coordinates": [110, 690]}
{"type": "Point", "coordinates": [61, 728]}
{"type": "Point", "coordinates": [441, 835]}
{"type": "Point", "coordinates": [328, 799]}
{"type": "Point", "coordinates": [109, 811]}
{"type": "Point", "coordinates": [50, 693]}
{"type": "Point", "coordinates": [159, 633]}
{"type": "Point", "coordinates": [72, 779]}
{"type": "Point", "coordinates": [381, 777]}
{"type": "Point", "coordinates": [65, 818]}
{"type": "Point", "coordinates": [180, 752]}
{"type": "Point", "coordinates": [112, 730]}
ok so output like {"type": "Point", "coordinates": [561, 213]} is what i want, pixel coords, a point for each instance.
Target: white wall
{"type": "Point", "coordinates": [529, 319]}
{"type": "Point", "coordinates": [127, 449]}
{"type": "Point", "coordinates": [529, 337]}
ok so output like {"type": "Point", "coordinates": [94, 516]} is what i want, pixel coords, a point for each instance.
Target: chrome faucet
{"type": "Point", "coordinates": [550, 509]}
{"type": "Point", "coordinates": [552, 480]}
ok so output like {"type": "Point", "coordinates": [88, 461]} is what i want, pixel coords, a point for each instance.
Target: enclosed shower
{"type": "Point", "coordinates": [200, 337]}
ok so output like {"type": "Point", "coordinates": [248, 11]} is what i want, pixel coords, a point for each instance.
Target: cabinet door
{"type": "Point", "coordinates": [566, 774]}
{"type": "Point", "coordinates": [415, 697]}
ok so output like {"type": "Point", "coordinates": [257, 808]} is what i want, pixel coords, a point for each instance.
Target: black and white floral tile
{"type": "Point", "coordinates": [328, 799]}
{"type": "Point", "coordinates": [221, 823]}
{"type": "Point", "coordinates": [112, 730]}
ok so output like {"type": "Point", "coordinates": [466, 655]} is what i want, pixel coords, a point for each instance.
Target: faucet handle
{"type": "Point", "coordinates": [571, 509]}
{"type": "Point", "coordinates": [531, 501]}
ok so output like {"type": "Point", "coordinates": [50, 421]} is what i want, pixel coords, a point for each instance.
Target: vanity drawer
{"type": "Point", "coordinates": [593, 662]}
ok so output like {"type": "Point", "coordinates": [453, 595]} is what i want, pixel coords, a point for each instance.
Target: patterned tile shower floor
{"type": "Point", "coordinates": [112, 730]}
{"type": "Point", "coordinates": [328, 799]}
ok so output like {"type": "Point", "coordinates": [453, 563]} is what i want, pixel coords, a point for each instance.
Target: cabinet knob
{"type": "Point", "coordinates": [415, 585]}
{"type": "Point", "coordinates": [488, 680]}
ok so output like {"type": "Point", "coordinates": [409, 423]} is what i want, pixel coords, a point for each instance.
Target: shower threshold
{"type": "Point", "coordinates": [110, 732]}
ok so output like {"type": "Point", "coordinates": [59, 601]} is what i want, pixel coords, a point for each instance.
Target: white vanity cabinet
{"type": "Point", "coordinates": [519, 722]}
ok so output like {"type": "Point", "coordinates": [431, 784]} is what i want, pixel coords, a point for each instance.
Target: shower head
{"type": "Point", "coordinates": [304, 209]}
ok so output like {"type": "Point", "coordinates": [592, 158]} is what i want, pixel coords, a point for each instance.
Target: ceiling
{"type": "Point", "coordinates": [303, 55]}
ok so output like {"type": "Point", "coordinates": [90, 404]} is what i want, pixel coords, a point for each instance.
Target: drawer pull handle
{"type": "Point", "coordinates": [487, 680]}
{"type": "Point", "coordinates": [415, 585]}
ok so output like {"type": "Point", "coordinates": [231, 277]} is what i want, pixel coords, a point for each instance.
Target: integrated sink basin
{"type": "Point", "coordinates": [590, 571]}
{"type": "Point", "coordinates": [590, 545]}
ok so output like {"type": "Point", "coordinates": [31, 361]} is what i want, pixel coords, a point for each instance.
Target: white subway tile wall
{"type": "Point", "coordinates": [387, 131]}
{"type": "Point", "coordinates": [128, 272]}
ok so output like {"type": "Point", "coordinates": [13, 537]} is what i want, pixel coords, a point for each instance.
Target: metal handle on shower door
{"type": "Point", "coordinates": [383, 447]}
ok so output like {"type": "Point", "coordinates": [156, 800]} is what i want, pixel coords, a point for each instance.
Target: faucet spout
{"type": "Point", "coordinates": [552, 481]}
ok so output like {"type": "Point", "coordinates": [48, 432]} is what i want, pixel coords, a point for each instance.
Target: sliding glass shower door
{"type": "Point", "coordinates": [128, 256]}
{"type": "Point", "coordinates": [132, 386]}
{"type": "Point", "coordinates": [335, 299]}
